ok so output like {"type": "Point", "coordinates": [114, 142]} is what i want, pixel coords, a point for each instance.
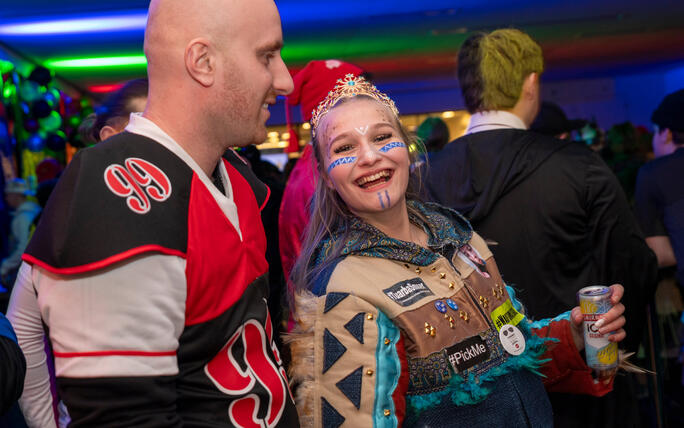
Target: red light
{"type": "Point", "coordinates": [103, 89]}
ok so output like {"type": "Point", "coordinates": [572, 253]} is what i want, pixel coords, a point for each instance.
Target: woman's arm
{"type": "Point", "coordinates": [567, 371]}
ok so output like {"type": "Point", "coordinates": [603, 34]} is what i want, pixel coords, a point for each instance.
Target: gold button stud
{"type": "Point", "coordinates": [386, 412]}
{"type": "Point", "coordinates": [452, 285]}
{"type": "Point", "coordinates": [387, 341]}
{"type": "Point", "coordinates": [417, 270]}
{"type": "Point", "coordinates": [433, 269]}
{"type": "Point", "coordinates": [369, 316]}
{"type": "Point", "coordinates": [442, 275]}
{"type": "Point", "coordinates": [369, 372]}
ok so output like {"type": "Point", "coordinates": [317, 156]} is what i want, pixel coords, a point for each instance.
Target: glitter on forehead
{"type": "Point", "coordinates": [349, 87]}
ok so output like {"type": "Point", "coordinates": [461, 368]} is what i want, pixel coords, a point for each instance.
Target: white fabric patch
{"type": "Point", "coordinates": [137, 306]}
{"type": "Point", "coordinates": [332, 63]}
{"type": "Point", "coordinates": [512, 339]}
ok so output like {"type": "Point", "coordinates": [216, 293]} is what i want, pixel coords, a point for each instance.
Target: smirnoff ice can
{"type": "Point", "coordinates": [601, 354]}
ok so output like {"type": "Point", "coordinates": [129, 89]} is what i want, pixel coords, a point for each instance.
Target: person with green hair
{"type": "Point", "coordinates": [557, 212]}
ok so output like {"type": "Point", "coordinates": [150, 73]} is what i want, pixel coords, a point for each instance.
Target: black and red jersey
{"type": "Point", "coordinates": [120, 204]}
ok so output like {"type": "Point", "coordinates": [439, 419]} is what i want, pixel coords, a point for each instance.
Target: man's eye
{"type": "Point", "coordinates": [268, 57]}
{"type": "Point", "coordinates": [342, 148]}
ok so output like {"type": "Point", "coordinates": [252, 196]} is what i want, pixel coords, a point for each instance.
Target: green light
{"type": "Point", "coordinates": [8, 91]}
{"type": "Point", "coordinates": [5, 66]}
{"type": "Point", "coordinates": [89, 62]}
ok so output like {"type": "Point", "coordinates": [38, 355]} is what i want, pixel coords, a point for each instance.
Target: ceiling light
{"type": "Point", "coordinates": [101, 24]}
{"type": "Point", "coordinates": [108, 61]}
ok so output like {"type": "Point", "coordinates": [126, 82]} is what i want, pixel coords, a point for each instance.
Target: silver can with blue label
{"type": "Point", "coordinates": [601, 354]}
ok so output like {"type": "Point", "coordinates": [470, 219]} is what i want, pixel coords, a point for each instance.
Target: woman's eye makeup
{"type": "Point", "coordinates": [393, 145]}
{"type": "Point", "coordinates": [342, 148]}
{"type": "Point", "coordinates": [383, 137]}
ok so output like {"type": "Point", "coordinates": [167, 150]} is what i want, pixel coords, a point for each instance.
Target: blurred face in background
{"type": "Point", "coordinates": [662, 142]}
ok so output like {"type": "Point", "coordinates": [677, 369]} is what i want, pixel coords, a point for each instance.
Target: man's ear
{"type": "Point", "coordinates": [530, 89]}
{"type": "Point", "coordinates": [200, 61]}
{"type": "Point", "coordinates": [107, 131]}
{"type": "Point", "coordinates": [668, 136]}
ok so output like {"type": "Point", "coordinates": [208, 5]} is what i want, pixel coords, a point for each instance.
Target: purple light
{"type": "Point", "coordinates": [100, 24]}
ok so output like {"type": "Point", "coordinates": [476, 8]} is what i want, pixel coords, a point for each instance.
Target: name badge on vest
{"type": "Point", "coordinates": [467, 353]}
{"type": "Point", "coordinates": [406, 293]}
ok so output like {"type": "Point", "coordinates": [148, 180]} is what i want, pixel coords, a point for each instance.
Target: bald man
{"type": "Point", "coordinates": [148, 266]}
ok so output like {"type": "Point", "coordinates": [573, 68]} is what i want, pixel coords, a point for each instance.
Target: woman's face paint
{"type": "Point", "coordinates": [393, 145]}
{"type": "Point", "coordinates": [366, 159]}
{"type": "Point", "coordinates": [384, 200]}
{"type": "Point", "coordinates": [341, 161]}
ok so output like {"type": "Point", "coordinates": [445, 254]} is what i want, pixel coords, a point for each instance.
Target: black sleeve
{"type": "Point", "coordinates": [121, 402]}
{"type": "Point", "coordinates": [12, 367]}
{"type": "Point", "coordinates": [620, 251]}
{"type": "Point", "coordinates": [648, 210]}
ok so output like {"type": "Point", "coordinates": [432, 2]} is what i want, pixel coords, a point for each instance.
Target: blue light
{"type": "Point", "coordinates": [128, 22]}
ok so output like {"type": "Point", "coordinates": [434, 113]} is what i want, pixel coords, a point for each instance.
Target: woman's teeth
{"type": "Point", "coordinates": [374, 177]}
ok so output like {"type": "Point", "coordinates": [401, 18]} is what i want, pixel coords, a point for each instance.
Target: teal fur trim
{"type": "Point", "coordinates": [546, 321]}
{"type": "Point", "coordinates": [466, 391]}
{"type": "Point", "coordinates": [388, 371]}
{"type": "Point", "coordinates": [516, 303]}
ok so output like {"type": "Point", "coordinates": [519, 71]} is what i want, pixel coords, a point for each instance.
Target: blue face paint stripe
{"type": "Point", "coordinates": [389, 146]}
{"type": "Point", "coordinates": [388, 198]}
{"type": "Point", "coordinates": [341, 161]}
{"type": "Point", "coordinates": [382, 204]}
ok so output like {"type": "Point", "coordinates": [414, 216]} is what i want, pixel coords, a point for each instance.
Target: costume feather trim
{"type": "Point", "coordinates": [301, 342]}
{"type": "Point", "coordinates": [463, 391]}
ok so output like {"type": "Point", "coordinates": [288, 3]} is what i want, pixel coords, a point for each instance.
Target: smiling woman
{"type": "Point", "coordinates": [402, 314]}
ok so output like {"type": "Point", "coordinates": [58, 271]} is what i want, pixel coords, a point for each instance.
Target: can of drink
{"type": "Point", "coordinates": [601, 354]}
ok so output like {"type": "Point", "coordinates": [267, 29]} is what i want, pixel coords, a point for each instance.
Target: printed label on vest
{"type": "Point", "coordinates": [408, 292]}
{"type": "Point", "coordinates": [467, 353]}
{"type": "Point", "coordinates": [506, 314]}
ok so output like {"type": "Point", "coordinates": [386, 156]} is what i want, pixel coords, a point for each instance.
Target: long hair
{"type": "Point", "coordinates": [329, 213]}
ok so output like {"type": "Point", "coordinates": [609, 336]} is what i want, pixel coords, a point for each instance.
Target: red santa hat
{"type": "Point", "coordinates": [311, 85]}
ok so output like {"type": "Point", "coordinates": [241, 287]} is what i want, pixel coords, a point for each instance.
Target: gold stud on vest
{"type": "Point", "coordinates": [369, 317]}
{"type": "Point", "coordinates": [417, 270]}
{"type": "Point", "coordinates": [429, 330]}
{"type": "Point", "coordinates": [484, 302]}
{"type": "Point", "coordinates": [463, 315]}
{"type": "Point", "coordinates": [442, 275]}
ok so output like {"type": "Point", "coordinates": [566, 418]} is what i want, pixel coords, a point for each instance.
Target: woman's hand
{"type": "Point", "coordinates": [611, 322]}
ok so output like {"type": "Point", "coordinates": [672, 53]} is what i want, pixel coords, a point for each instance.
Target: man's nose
{"type": "Point", "coordinates": [282, 80]}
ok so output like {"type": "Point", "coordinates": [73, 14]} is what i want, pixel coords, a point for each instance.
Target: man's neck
{"type": "Point", "coordinates": [194, 143]}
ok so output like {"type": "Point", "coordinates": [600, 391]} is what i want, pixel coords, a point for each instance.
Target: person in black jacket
{"type": "Point", "coordinates": [557, 211]}
{"type": "Point", "coordinates": [12, 366]}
